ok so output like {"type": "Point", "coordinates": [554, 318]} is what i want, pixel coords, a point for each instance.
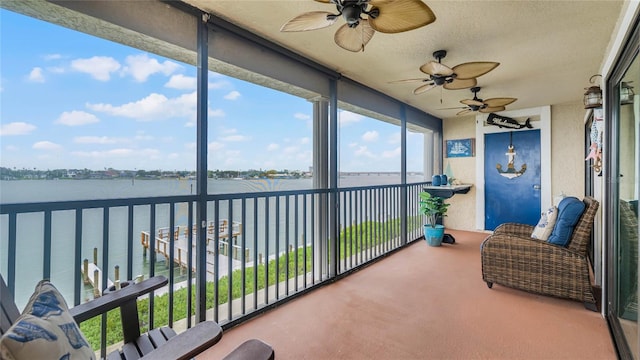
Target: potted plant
{"type": "Point", "coordinates": [433, 207]}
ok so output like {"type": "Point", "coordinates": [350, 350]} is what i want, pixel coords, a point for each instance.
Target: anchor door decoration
{"type": "Point", "coordinates": [511, 172]}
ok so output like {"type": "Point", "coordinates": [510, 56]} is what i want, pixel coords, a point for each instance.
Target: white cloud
{"type": "Point", "coordinates": [11, 148]}
{"type": "Point", "coordinates": [49, 57]}
{"type": "Point", "coordinates": [140, 67]}
{"type": "Point", "coordinates": [395, 138]}
{"type": "Point", "coordinates": [76, 118]}
{"type": "Point", "coordinates": [16, 128]}
{"type": "Point", "coordinates": [98, 140]}
{"type": "Point", "coordinates": [290, 150]}
{"type": "Point", "coordinates": [56, 69]}
{"type": "Point", "coordinates": [99, 67]}
{"type": "Point", "coordinates": [220, 84]}
{"type": "Point", "coordinates": [46, 145]}
{"type": "Point", "coordinates": [364, 151]}
{"type": "Point", "coordinates": [395, 153]}
{"type": "Point", "coordinates": [345, 118]}
{"type": "Point", "coordinates": [302, 116]}
{"type": "Point", "coordinates": [153, 107]}
{"type": "Point", "coordinates": [353, 144]}
{"type": "Point", "coordinates": [305, 140]}
{"type": "Point", "coordinates": [36, 75]}
{"type": "Point", "coordinates": [235, 138]}
{"type": "Point", "coordinates": [182, 82]}
{"type": "Point", "coordinates": [234, 95]}
{"type": "Point", "coordinates": [273, 147]}
{"type": "Point", "coordinates": [216, 113]}
{"type": "Point", "coordinates": [119, 153]}
{"type": "Point", "coordinates": [215, 146]}
{"type": "Point", "coordinates": [370, 136]}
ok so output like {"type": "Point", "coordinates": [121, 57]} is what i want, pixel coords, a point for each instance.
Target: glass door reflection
{"type": "Point", "coordinates": [628, 153]}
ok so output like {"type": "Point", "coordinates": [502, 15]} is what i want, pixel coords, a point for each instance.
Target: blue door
{"type": "Point", "coordinates": [512, 194]}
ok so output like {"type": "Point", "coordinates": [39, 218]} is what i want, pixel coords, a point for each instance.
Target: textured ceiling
{"type": "Point", "coordinates": [547, 50]}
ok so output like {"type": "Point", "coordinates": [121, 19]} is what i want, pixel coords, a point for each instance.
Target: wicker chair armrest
{"type": "Point", "coordinates": [520, 230]}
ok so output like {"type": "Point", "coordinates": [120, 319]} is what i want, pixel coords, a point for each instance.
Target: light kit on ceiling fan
{"type": "Point", "coordinates": [484, 106]}
{"type": "Point", "coordinates": [363, 18]}
{"type": "Point", "coordinates": [462, 76]}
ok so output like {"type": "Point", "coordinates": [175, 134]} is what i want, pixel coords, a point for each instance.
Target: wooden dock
{"type": "Point", "coordinates": [227, 239]}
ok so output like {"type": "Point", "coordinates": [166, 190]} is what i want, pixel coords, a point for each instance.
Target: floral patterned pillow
{"type": "Point", "coordinates": [546, 224]}
{"type": "Point", "coordinates": [45, 330]}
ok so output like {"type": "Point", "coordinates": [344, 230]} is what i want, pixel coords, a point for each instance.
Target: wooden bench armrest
{"type": "Point", "coordinates": [189, 343]}
{"type": "Point", "coordinates": [252, 349]}
{"type": "Point", "coordinates": [115, 299]}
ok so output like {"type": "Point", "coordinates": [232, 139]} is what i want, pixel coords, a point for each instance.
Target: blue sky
{"type": "Point", "coordinates": [70, 100]}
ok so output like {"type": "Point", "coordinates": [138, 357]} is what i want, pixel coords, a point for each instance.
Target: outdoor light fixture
{"type": "Point", "coordinates": [626, 93]}
{"type": "Point", "coordinates": [593, 96]}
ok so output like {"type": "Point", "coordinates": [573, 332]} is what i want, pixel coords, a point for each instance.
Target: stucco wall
{"type": "Point", "coordinates": [567, 164]}
{"type": "Point", "coordinates": [462, 212]}
{"type": "Point", "coordinates": [567, 150]}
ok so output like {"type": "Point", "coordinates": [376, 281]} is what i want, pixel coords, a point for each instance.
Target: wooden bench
{"type": "Point", "coordinates": [159, 343]}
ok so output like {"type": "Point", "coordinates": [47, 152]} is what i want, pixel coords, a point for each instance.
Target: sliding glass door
{"type": "Point", "coordinates": [624, 191]}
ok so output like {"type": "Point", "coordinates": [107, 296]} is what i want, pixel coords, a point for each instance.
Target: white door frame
{"type": "Point", "coordinates": [540, 119]}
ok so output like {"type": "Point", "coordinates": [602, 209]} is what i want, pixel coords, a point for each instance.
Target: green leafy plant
{"type": "Point", "coordinates": [432, 207]}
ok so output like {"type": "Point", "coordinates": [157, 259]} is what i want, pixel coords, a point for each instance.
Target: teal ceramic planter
{"type": "Point", "coordinates": [434, 235]}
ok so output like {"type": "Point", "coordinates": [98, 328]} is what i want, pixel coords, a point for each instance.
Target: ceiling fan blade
{"type": "Point", "coordinates": [436, 68]}
{"type": "Point", "coordinates": [472, 102]}
{"type": "Point", "coordinates": [424, 88]}
{"type": "Point", "coordinates": [400, 15]}
{"type": "Point", "coordinates": [454, 108]}
{"type": "Point", "coordinates": [492, 109]}
{"type": "Point", "coordinates": [466, 111]}
{"type": "Point", "coordinates": [408, 81]}
{"type": "Point", "coordinates": [473, 69]}
{"type": "Point", "coordinates": [497, 102]}
{"type": "Point", "coordinates": [354, 39]}
{"type": "Point", "coordinates": [458, 84]}
{"type": "Point", "coordinates": [308, 21]}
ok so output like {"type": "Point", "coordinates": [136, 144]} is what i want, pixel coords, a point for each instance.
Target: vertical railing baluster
{"type": "Point", "coordinates": [190, 236]}
{"type": "Point", "coordinates": [243, 266]}
{"type": "Point", "coordinates": [255, 253]}
{"type": "Point", "coordinates": [266, 249]}
{"type": "Point", "coordinates": [77, 278]}
{"type": "Point", "coordinates": [12, 256]}
{"type": "Point", "coordinates": [172, 243]}
{"type": "Point", "coordinates": [313, 240]}
{"type": "Point", "coordinates": [46, 263]}
{"type": "Point", "coordinates": [295, 239]}
{"type": "Point", "coordinates": [277, 249]}
{"type": "Point", "coordinates": [152, 256]}
{"type": "Point", "coordinates": [304, 239]}
{"type": "Point", "coordinates": [287, 233]}
{"type": "Point", "coordinates": [129, 242]}
{"type": "Point", "coordinates": [216, 259]}
{"type": "Point", "coordinates": [230, 247]}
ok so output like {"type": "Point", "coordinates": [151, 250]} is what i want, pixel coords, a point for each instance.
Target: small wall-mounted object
{"type": "Point", "coordinates": [626, 93]}
{"type": "Point", "coordinates": [460, 148]}
{"type": "Point", "coordinates": [593, 96]}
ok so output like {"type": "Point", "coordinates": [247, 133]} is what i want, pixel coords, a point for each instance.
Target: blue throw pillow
{"type": "Point", "coordinates": [569, 211]}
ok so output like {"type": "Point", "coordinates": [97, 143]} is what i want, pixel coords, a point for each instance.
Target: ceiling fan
{"type": "Point", "coordinates": [364, 18]}
{"type": "Point", "coordinates": [462, 76]}
{"type": "Point", "coordinates": [483, 106]}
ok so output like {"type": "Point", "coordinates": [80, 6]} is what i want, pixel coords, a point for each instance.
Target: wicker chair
{"type": "Point", "coordinates": [511, 257]}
